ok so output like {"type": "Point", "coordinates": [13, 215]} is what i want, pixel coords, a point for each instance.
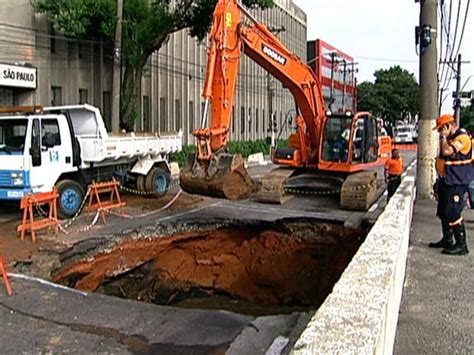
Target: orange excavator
{"type": "Point", "coordinates": [339, 146]}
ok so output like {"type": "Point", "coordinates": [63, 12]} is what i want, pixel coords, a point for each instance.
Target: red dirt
{"type": "Point", "coordinates": [26, 253]}
{"type": "Point", "coordinates": [263, 266]}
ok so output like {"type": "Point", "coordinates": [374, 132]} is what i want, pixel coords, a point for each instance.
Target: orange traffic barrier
{"type": "Point", "coordinates": [114, 201]}
{"type": "Point", "coordinates": [29, 223]}
{"type": "Point", "coordinates": [3, 270]}
{"type": "Point", "coordinates": [405, 146]}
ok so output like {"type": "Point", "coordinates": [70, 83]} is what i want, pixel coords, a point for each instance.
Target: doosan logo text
{"type": "Point", "coordinates": [274, 55]}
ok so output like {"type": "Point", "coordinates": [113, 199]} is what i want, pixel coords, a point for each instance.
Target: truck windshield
{"type": "Point", "coordinates": [12, 135]}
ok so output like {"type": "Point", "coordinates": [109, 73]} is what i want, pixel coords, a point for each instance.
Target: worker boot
{"type": "Point", "coordinates": [447, 239]}
{"type": "Point", "coordinates": [460, 248]}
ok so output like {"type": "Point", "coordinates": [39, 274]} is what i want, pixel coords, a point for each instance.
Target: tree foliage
{"type": "Point", "coordinates": [467, 118]}
{"type": "Point", "coordinates": [146, 26]}
{"type": "Point", "coordinates": [393, 96]}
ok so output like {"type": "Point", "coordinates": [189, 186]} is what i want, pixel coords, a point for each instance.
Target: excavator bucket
{"type": "Point", "coordinates": [224, 175]}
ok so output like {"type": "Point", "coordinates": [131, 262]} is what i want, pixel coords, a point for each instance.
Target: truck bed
{"type": "Point", "coordinates": [128, 145]}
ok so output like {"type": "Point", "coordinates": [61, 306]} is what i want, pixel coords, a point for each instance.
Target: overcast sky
{"type": "Point", "coordinates": [380, 34]}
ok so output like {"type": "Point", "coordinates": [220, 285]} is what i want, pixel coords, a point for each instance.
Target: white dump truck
{"type": "Point", "coordinates": [69, 147]}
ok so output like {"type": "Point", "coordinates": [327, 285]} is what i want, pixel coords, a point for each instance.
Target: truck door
{"type": "Point", "coordinates": [50, 163]}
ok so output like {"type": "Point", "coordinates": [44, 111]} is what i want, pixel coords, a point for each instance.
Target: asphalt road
{"type": "Point", "coordinates": [77, 322]}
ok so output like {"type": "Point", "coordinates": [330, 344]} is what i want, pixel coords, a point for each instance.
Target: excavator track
{"type": "Point", "coordinates": [271, 188]}
{"type": "Point", "coordinates": [359, 191]}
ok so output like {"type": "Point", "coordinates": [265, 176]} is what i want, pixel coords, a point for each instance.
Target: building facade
{"type": "Point", "coordinates": [335, 71]}
{"type": "Point", "coordinates": [49, 69]}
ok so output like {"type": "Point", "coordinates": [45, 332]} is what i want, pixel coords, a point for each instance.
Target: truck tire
{"type": "Point", "coordinates": [141, 183]}
{"type": "Point", "coordinates": [158, 181]}
{"type": "Point", "coordinates": [71, 194]}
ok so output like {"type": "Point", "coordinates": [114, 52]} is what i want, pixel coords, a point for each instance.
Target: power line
{"type": "Point", "coordinates": [463, 27]}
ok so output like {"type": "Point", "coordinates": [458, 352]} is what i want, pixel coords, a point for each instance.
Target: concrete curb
{"type": "Point", "coordinates": [360, 315]}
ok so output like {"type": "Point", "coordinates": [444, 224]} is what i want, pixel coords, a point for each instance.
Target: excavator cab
{"type": "Point", "coordinates": [350, 140]}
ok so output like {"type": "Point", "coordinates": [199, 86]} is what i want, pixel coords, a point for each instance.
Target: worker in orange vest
{"type": "Point", "coordinates": [393, 172]}
{"type": "Point", "coordinates": [455, 172]}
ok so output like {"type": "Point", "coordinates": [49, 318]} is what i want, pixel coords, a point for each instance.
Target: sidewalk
{"type": "Point", "coordinates": [437, 309]}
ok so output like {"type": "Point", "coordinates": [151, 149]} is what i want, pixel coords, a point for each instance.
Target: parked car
{"type": "Point", "coordinates": [405, 134]}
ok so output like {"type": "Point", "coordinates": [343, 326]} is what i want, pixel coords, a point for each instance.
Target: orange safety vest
{"type": "Point", "coordinates": [394, 166]}
{"type": "Point", "coordinates": [456, 169]}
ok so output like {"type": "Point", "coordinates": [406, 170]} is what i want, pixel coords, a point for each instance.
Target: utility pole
{"type": "Point", "coordinates": [344, 86]}
{"type": "Point", "coordinates": [333, 63]}
{"type": "Point", "coordinates": [117, 69]}
{"type": "Point", "coordinates": [457, 95]}
{"type": "Point", "coordinates": [271, 91]}
{"type": "Point", "coordinates": [352, 83]}
{"type": "Point", "coordinates": [427, 139]}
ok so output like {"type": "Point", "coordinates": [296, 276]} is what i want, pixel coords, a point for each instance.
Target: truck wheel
{"type": "Point", "coordinates": [158, 181]}
{"type": "Point", "coordinates": [141, 183]}
{"type": "Point", "coordinates": [71, 194]}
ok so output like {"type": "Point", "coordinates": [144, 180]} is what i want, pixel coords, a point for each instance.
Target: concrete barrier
{"type": "Point", "coordinates": [360, 315]}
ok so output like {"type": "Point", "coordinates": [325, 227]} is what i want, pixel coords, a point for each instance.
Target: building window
{"type": "Point", "coordinates": [83, 96]}
{"type": "Point", "coordinates": [233, 119]}
{"type": "Point", "coordinates": [264, 126]}
{"type": "Point", "coordinates": [163, 115]}
{"type": "Point", "coordinates": [52, 42]}
{"type": "Point", "coordinates": [256, 120]}
{"type": "Point", "coordinates": [107, 109]}
{"type": "Point", "coordinates": [191, 117]}
{"type": "Point", "coordinates": [242, 120]}
{"type": "Point", "coordinates": [146, 114]}
{"type": "Point", "coordinates": [203, 106]}
{"type": "Point", "coordinates": [6, 97]}
{"type": "Point", "coordinates": [250, 120]}
{"type": "Point", "coordinates": [177, 114]}
{"type": "Point", "coordinates": [80, 49]}
{"type": "Point", "coordinates": [107, 55]}
{"type": "Point", "coordinates": [57, 96]}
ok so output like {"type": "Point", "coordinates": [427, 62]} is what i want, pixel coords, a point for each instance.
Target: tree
{"type": "Point", "coordinates": [393, 96]}
{"type": "Point", "coordinates": [467, 118]}
{"type": "Point", "coordinates": [146, 26]}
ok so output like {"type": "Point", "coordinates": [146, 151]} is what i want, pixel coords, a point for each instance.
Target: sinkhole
{"type": "Point", "coordinates": [255, 267]}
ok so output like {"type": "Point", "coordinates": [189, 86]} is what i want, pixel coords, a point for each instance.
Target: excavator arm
{"type": "Point", "coordinates": [229, 37]}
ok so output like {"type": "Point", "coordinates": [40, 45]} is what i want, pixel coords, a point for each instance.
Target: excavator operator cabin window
{"type": "Point", "coordinates": [371, 140]}
{"type": "Point", "coordinates": [336, 139]}
{"type": "Point", "coordinates": [365, 143]}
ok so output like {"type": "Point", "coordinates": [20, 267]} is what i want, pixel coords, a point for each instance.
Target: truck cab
{"type": "Point", "coordinates": [34, 151]}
